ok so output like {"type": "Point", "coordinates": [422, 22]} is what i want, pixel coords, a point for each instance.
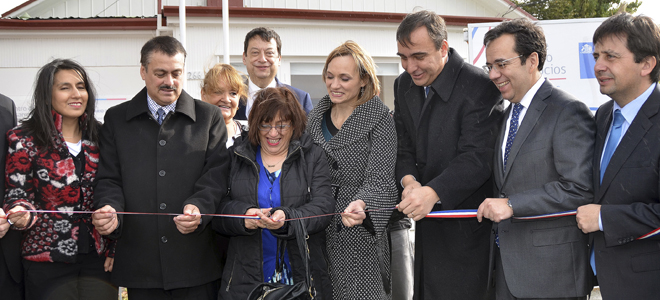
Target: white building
{"type": "Point", "coordinates": [105, 36]}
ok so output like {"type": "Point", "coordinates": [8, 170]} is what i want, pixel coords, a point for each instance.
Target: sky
{"type": "Point", "coordinates": [650, 8]}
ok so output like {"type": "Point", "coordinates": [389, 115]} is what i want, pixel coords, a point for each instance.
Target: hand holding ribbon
{"type": "Point", "coordinates": [354, 213]}
{"type": "Point", "coordinates": [18, 216]}
{"type": "Point", "coordinates": [105, 220]}
{"type": "Point", "coordinates": [189, 221]}
{"type": "Point", "coordinates": [4, 225]}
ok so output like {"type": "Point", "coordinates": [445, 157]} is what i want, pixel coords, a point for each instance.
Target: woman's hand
{"type": "Point", "coordinates": [354, 213]}
{"type": "Point", "coordinates": [109, 262]}
{"type": "Point", "coordinates": [4, 225]}
{"type": "Point", "coordinates": [275, 221]}
{"type": "Point", "coordinates": [262, 213]}
{"type": "Point", "coordinates": [18, 216]}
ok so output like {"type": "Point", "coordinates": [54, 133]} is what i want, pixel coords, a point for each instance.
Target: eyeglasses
{"type": "Point", "coordinates": [280, 128]}
{"type": "Point", "coordinates": [499, 65]}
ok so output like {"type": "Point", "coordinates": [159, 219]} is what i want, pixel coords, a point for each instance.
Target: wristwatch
{"type": "Point", "coordinates": [508, 202]}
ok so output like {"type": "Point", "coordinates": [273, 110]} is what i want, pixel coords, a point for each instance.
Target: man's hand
{"type": "Point", "coordinates": [494, 209]}
{"type": "Point", "coordinates": [189, 221]}
{"type": "Point", "coordinates": [105, 220]}
{"type": "Point", "coordinates": [416, 200]}
{"type": "Point", "coordinates": [18, 216]}
{"type": "Point", "coordinates": [4, 225]}
{"type": "Point", "coordinates": [587, 218]}
{"type": "Point", "coordinates": [354, 213]}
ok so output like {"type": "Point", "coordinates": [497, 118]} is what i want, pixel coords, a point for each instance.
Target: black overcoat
{"type": "Point", "coordinates": [146, 167]}
{"type": "Point", "coordinates": [447, 142]}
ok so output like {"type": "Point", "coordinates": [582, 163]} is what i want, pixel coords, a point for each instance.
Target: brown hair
{"type": "Point", "coordinates": [435, 26]}
{"type": "Point", "coordinates": [271, 102]}
{"type": "Point", "coordinates": [366, 68]}
{"type": "Point", "coordinates": [642, 37]}
{"type": "Point", "coordinates": [227, 74]}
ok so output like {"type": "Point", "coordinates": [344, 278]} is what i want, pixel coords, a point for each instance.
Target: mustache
{"type": "Point", "coordinates": [167, 87]}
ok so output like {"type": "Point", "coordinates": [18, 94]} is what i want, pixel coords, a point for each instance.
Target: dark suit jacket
{"type": "Point", "coordinates": [548, 171]}
{"type": "Point", "coordinates": [147, 167]}
{"type": "Point", "coordinates": [446, 142]}
{"type": "Point", "coordinates": [630, 197]}
{"type": "Point", "coordinates": [302, 96]}
{"type": "Point", "coordinates": [11, 268]}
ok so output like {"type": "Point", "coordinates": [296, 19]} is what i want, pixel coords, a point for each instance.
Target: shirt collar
{"type": "Point", "coordinates": [527, 99]}
{"type": "Point", "coordinates": [153, 106]}
{"type": "Point", "coordinates": [631, 109]}
{"type": "Point", "coordinates": [253, 88]}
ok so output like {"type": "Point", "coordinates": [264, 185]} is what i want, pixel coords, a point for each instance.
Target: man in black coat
{"type": "Point", "coordinates": [626, 160]}
{"type": "Point", "coordinates": [11, 269]}
{"type": "Point", "coordinates": [447, 117]}
{"type": "Point", "coordinates": [154, 150]}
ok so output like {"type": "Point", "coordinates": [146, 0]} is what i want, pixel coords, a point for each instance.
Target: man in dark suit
{"type": "Point", "coordinates": [446, 114]}
{"type": "Point", "coordinates": [626, 160]}
{"type": "Point", "coordinates": [154, 149]}
{"type": "Point", "coordinates": [262, 56]}
{"type": "Point", "coordinates": [11, 269]}
{"type": "Point", "coordinates": [542, 165]}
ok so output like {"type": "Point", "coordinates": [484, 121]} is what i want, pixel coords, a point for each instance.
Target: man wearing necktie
{"type": "Point", "coordinates": [626, 160]}
{"type": "Point", "coordinates": [446, 115]}
{"type": "Point", "coordinates": [154, 149]}
{"type": "Point", "coordinates": [541, 166]}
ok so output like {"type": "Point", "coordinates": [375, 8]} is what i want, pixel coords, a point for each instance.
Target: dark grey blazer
{"type": "Point", "coordinates": [11, 269]}
{"type": "Point", "coordinates": [630, 198]}
{"type": "Point", "coordinates": [147, 167]}
{"type": "Point", "coordinates": [548, 171]}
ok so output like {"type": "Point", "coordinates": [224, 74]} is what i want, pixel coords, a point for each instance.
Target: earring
{"type": "Point", "coordinates": [361, 92]}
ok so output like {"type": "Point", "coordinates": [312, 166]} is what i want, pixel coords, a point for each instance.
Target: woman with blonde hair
{"type": "Point", "coordinates": [356, 131]}
{"type": "Point", "coordinates": [224, 87]}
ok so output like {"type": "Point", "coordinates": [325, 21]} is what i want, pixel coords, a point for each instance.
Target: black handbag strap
{"type": "Point", "coordinates": [301, 239]}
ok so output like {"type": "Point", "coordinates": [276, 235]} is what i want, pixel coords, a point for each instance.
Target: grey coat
{"type": "Point", "coordinates": [362, 157]}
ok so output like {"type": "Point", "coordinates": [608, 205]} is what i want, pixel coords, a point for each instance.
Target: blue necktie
{"type": "Point", "coordinates": [612, 142]}
{"type": "Point", "coordinates": [160, 115]}
{"type": "Point", "coordinates": [426, 90]}
{"type": "Point", "coordinates": [513, 129]}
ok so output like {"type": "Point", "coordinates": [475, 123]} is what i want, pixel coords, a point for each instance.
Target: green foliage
{"type": "Point", "coordinates": [575, 9]}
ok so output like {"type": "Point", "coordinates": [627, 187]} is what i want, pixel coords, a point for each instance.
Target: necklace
{"type": "Point", "coordinates": [269, 165]}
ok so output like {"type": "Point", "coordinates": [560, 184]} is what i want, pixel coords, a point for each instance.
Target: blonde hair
{"type": "Point", "coordinates": [366, 68]}
{"type": "Point", "coordinates": [227, 74]}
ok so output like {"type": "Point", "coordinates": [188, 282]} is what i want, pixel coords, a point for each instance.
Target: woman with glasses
{"type": "Point", "coordinates": [275, 171]}
{"type": "Point", "coordinates": [51, 165]}
{"type": "Point", "coordinates": [357, 132]}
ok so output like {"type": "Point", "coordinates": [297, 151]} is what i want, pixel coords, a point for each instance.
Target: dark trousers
{"type": "Point", "coordinates": [9, 289]}
{"type": "Point", "coordinates": [502, 289]}
{"type": "Point", "coordinates": [84, 279]}
{"type": "Point", "coordinates": [207, 291]}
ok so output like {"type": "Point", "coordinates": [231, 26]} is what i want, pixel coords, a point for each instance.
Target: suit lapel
{"type": "Point", "coordinates": [499, 162]}
{"type": "Point", "coordinates": [631, 138]}
{"type": "Point", "coordinates": [414, 99]}
{"type": "Point", "coordinates": [528, 123]}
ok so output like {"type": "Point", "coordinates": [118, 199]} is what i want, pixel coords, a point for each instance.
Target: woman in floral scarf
{"type": "Point", "coordinates": [51, 165]}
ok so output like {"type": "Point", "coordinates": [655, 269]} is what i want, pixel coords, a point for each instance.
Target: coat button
{"type": "Point", "coordinates": [161, 173]}
{"type": "Point", "coordinates": [163, 206]}
{"type": "Point", "coordinates": [335, 166]}
{"type": "Point", "coordinates": [163, 239]}
{"type": "Point", "coordinates": [162, 142]}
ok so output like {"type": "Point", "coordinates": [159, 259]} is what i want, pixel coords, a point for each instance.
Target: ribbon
{"type": "Point", "coordinates": [443, 214]}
